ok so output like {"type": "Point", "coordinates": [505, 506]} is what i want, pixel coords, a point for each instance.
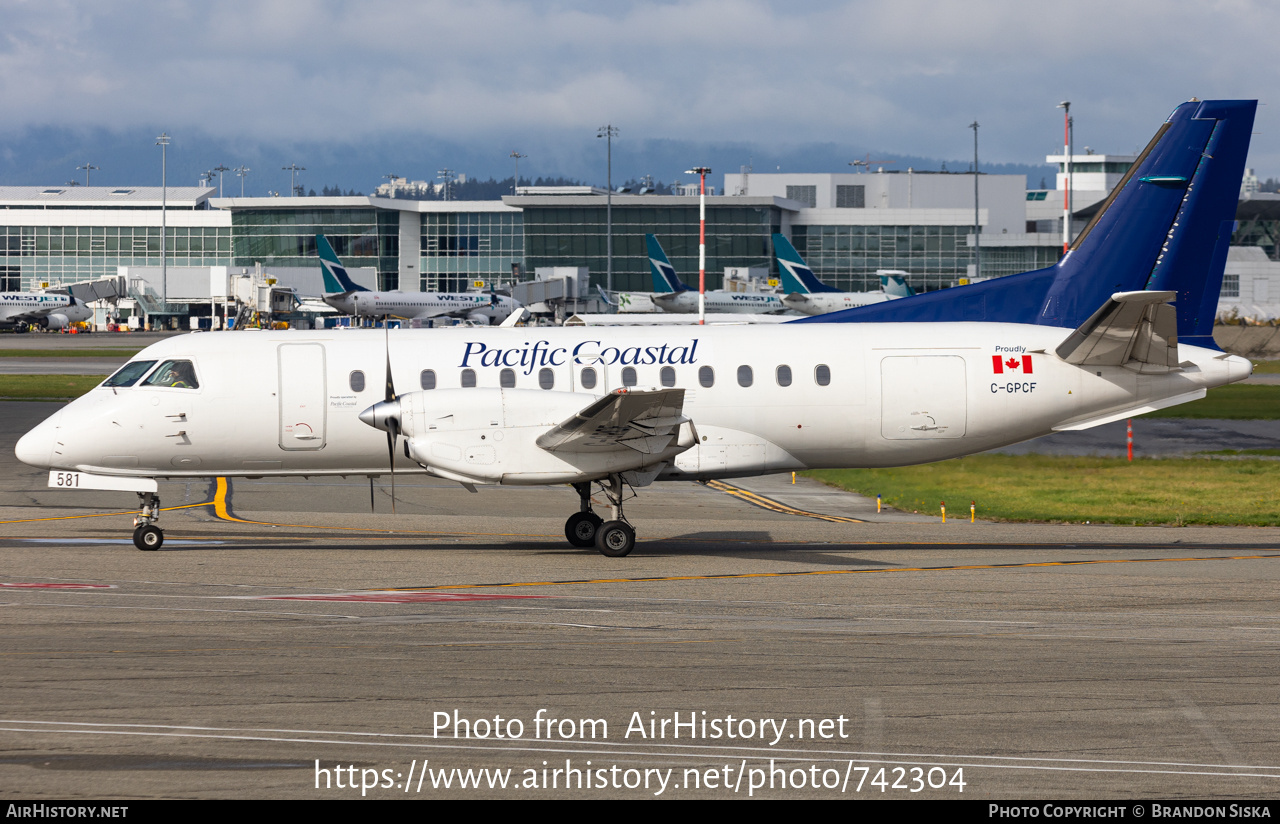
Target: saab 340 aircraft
{"type": "Point", "coordinates": [674, 295]}
{"type": "Point", "coordinates": [48, 310]}
{"type": "Point", "coordinates": [347, 296]}
{"type": "Point", "coordinates": [1092, 339]}
{"type": "Point", "coordinates": [803, 292]}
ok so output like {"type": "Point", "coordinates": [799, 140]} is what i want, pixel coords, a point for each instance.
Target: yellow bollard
{"type": "Point", "coordinates": [877, 504]}
{"type": "Point", "coordinates": [793, 477]}
{"type": "Point", "coordinates": [973, 510]}
{"type": "Point", "coordinates": [944, 512]}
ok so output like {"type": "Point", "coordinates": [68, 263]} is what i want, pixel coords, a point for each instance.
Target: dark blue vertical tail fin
{"type": "Point", "coordinates": [1195, 253]}
{"type": "Point", "coordinates": [1165, 226]}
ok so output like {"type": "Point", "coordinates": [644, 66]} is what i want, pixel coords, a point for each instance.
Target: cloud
{"type": "Point", "coordinates": [907, 76]}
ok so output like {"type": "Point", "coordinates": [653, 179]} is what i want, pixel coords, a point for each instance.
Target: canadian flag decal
{"type": "Point", "coordinates": [999, 364]}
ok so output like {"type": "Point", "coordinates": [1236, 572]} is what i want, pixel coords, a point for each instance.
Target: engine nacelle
{"type": "Point", "coordinates": [489, 436]}
{"type": "Point", "coordinates": [55, 320]}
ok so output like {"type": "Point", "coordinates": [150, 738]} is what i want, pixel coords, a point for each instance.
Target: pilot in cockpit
{"type": "Point", "coordinates": [176, 374]}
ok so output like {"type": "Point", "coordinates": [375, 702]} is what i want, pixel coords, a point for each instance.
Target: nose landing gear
{"type": "Point", "coordinates": [146, 535]}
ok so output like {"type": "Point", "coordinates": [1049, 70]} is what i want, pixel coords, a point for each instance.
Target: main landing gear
{"type": "Point", "coordinates": [146, 535]}
{"type": "Point", "coordinates": [614, 537]}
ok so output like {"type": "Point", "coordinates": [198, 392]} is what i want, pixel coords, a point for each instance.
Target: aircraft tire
{"type": "Point", "coordinates": [581, 529]}
{"type": "Point", "coordinates": [615, 539]}
{"type": "Point", "coordinates": [148, 538]}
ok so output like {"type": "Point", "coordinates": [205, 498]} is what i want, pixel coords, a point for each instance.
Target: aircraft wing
{"type": "Point", "coordinates": [1131, 327]}
{"type": "Point", "coordinates": [625, 419]}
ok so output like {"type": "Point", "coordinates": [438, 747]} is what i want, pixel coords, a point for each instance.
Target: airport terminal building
{"type": "Point", "coordinates": [847, 226]}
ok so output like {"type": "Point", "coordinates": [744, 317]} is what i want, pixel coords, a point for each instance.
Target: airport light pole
{"type": "Point", "coordinates": [220, 169]}
{"type": "Point", "coordinates": [1066, 177]}
{"type": "Point", "coordinates": [242, 172]}
{"type": "Point", "coordinates": [608, 132]}
{"type": "Point", "coordinates": [977, 226]}
{"type": "Point", "coordinates": [293, 169]}
{"type": "Point", "coordinates": [702, 172]}
{"type": "Point", "coordinates": [163, 142]}
{"type": "Point", "coordinates": [447, 176]}
{"type": "Point", "coordinates": [516, 155]}
{"type": "Point", "coordinates": [88, 167]}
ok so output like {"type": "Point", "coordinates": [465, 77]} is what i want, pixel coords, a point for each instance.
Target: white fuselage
{"type": "Point", "coordinates": [820, 303]}
{"type": "Point", "coordinates": [720, 301]}
{"type": "Point", "coordinates": [28, 307]}
{"type": "Point", "coordinates": [815, 395]}
{"type": "Point", "coordinates": [416, 305]}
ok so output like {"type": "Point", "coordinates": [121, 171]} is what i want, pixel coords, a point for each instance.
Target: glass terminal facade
{"type": "Point", "coordinates": [460, 247]}
{"type": "Point", "coordinates": [32, 255]}
{"type": "Point", "coordinates": [574, 234]}
{"type": "Point", "coordinates": [287, 237]}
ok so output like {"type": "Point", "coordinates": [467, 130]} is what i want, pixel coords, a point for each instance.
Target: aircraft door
{"type": "Point", "coordinates": [923, 397]}
{"type": "Point", "coordinates": [302, 396]}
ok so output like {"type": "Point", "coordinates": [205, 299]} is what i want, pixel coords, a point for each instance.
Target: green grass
{"type": "Point", "coordinates": [1244, 452]}
{"type": "Point", "coordinates": [1266, 367]}
{"type": "Point", "coordinates": [1235, 402]}
{"type": "Point", "coordinates": [46, 387]}
{"type": "Point", "coordinates": [1060, 489]}
{"type": "Point", "coordinates": [123, 354]}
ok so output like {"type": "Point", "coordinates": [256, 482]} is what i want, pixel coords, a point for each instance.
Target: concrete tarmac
{"type": "Point", "coordinates": [286, 643]}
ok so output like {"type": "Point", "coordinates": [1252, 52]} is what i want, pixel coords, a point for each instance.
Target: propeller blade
{"type": "Point", "coordinates": [393, 423]}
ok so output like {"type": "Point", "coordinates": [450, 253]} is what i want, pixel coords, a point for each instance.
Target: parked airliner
{"type": "Point", "coordinates": [1092, 339]}
{"type": "Point", "coordinates": [671, 294]}
{"type": "Point", "coordinates": [347, 296]}
{"type": "Point", "coordinates": [47, 310]}
{"type": "Point", "coordinates": [803, 292]}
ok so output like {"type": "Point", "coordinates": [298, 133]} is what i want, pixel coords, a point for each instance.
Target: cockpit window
{"type": "Point", "coordinates": [128, 374]}
{"type": "Point", "coordinates": [178, 374]}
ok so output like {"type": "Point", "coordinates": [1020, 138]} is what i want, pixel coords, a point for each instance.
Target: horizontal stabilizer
{"type": "Point", "coordinates": [1131, 327]}
{"type": "Point", "coordinates": [1130, 412]}
{"type": "Point", "coordinates": [625, 419]}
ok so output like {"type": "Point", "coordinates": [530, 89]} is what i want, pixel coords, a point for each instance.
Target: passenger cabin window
{"type": "Point", "coordinates": [179, 374]}
{"type": "Point", "coordinates": [468, 378]}
{"type": "Point", "coordinates": [357, 381]}
{"type": "Point", "coordinates": [507, 379]}
{"type": "Point", "coordinates": [128, 374]}
{"type": "Point", "coordinates": [822, 374]}
{"type": "Point", "coordinates": [588, 378]}
{"type": "Point", "coordinates": [668, 376]}
{"type": "Point", "coordinates": [427, 379]}
{"type": "Point", "coordinates": [744, 375]}
{"type": "Point", "coordinates": [629, 376]}
{"type": "Point", "coordinates": [706, 376]}
{"type": "Point", "coordinates": [784, 375]}
{"type": "Point", "coordinates": [546, 378]}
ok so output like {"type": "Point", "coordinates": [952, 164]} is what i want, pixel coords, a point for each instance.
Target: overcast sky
{"type": "Point", "coordinates": [905, 76]}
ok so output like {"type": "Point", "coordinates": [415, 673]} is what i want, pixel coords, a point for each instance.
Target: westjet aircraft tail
{"type": "Point", "coordinates": [1165, 227]}
{"type": "Point", "coordinates": [335, 274]}
{"type": "Point", "coordinates": [797, 277]}
{"type": "Point", "coordinates": [896, 286]}
{"type": "Point", "coordinates": [665, 279]}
